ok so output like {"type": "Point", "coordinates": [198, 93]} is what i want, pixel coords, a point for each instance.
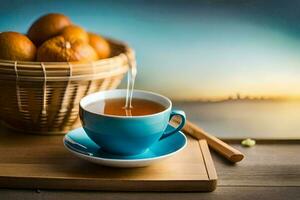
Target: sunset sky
{"type": "Point", "coordinates": [192, 50]}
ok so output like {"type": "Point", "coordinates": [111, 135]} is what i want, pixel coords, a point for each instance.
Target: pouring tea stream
{"type": "Point", "coordinates": [130, 87]}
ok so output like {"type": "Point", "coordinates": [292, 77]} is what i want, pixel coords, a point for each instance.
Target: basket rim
{"type": "Point", "coordinates": [128, 51]}
{"type": "Point", "coordinates": [36, 71]}
{"type": "Point", "coordinates": [102, 75]}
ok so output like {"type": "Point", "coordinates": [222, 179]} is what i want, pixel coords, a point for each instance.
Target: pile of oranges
{"type": "Point", "coordinates": [53, 38]}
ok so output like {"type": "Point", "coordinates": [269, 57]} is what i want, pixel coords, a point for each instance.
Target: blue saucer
{"type": "Point", "coordinates": [78, 143]}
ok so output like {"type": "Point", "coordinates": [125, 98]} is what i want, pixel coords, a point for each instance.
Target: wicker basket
{"type": "Point", "coordinates": [43, 98]}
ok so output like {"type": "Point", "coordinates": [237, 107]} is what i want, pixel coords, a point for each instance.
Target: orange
{"type": "Point", "coordinates": [16, 46]}
{"type": "Point", "coordinates": [75, 32]}
{"type": "Point", "coordinates": [100, 45]}
{"type": "Point", "coordinates": [47, 26]}
{"type": "Point", "coordinates": [58, 49]}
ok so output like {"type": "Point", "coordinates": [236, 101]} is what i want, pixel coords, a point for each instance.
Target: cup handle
{"type": "Point", "coordinates": [181, 114]}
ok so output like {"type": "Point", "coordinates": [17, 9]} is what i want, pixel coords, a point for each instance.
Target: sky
{"type": "Point", "coordinates": [191, 49]}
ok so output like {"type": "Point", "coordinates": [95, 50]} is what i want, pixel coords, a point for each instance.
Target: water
{"type": "Point", "coordinates": [242, 119]}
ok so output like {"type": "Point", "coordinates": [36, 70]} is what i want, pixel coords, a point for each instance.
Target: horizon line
{"type": "Point", "coordinates": [239, 98]}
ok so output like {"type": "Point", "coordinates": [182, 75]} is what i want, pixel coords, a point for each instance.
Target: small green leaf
{"type": "Point", "coordinates": [248, 142]}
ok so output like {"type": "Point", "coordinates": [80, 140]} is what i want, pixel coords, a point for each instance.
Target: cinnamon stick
{"type": "Point", "coordinates": [218, 145]}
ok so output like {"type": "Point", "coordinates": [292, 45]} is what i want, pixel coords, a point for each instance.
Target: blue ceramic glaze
{"type": "Point", "coordinates": [125, 135]}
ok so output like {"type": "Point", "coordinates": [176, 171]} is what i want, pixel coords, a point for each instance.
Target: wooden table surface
{"type": "Point", "coordinates": [268, 171]}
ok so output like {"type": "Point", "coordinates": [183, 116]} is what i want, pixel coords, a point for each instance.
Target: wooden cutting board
{"type": "Point", "coordinates": [42, 162]}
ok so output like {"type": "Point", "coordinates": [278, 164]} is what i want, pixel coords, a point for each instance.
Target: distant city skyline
{"type": "Point", "coordinates": [240, 97]}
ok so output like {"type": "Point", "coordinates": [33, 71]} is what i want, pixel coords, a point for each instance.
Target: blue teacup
{"type": "Point", "coordinates": [127, 135]}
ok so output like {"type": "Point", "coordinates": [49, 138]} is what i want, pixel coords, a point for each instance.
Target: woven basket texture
{"type": "Point", "coordinates": [43, 98]}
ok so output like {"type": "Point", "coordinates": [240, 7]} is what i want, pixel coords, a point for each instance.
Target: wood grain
{"type": "Point", "coordinates": [265, 165]}
{"type": "Point", "coordinates": [270, 171]}
{"type": "Point", "coordinates": [212, 174]}
{"type": "Point", "coordinates": [221, 193]}
{"type": "Point", "coordinates": [41, 162]}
